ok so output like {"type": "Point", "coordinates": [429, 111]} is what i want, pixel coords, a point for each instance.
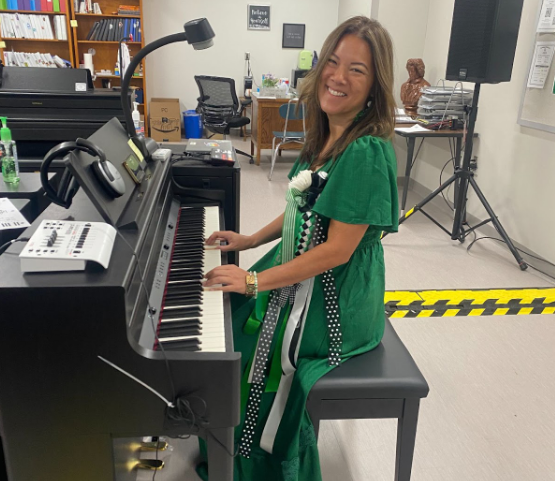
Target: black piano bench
{"type": "Point", "coordinates": [382, 383]}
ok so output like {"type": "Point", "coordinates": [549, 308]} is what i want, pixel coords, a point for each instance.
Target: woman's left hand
{"type": "Point", "coordinates": [231, 278]}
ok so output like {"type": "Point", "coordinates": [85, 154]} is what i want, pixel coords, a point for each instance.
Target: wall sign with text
{"type": "Point", "coordinates": [258, 17]}
{"type": "Point", "coordinates": [293, 35]}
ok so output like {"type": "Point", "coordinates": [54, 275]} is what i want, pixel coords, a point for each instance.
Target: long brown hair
{"type": "Point", "coordinates": [378, 120]}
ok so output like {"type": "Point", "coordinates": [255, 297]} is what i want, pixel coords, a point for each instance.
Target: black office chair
{"type": "Point", "coordinates": [220, 107]}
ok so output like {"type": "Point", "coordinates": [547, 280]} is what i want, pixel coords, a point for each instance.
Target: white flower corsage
{"type": "Point", "coordinates": [302, 181]}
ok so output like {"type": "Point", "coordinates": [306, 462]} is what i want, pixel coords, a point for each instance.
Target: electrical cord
{"type": "Point", "coordinates": [6, 246]}
{"type": "Point", "coordinates": [519, 250]}
{"type": "Point", "coordinates": [441, 182]}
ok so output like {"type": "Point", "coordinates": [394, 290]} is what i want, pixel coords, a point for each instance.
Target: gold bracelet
{"type": "Point", "coordinates": [252, 285]}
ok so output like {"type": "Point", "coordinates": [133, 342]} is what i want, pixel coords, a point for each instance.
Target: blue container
{"type": "Point", "coordinates": [193, 124]}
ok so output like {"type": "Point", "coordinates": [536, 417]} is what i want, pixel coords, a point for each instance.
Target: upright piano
{"type": "Point", "coordinates": [67, 415]}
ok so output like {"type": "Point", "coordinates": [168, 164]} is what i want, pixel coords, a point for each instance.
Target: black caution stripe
{"type": "Point", "coordinates": [459, 303]}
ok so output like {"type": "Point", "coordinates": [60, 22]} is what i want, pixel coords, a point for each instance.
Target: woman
{"type": "Point", "coordinates": [291, 336]}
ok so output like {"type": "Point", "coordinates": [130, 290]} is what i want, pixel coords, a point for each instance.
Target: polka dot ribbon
{"type": "Point", "coordinates": [278, 299]}
{"type": "Point", "coordinates": [331, 302]}
{"type": "Point", "coordinates": [276, 302]}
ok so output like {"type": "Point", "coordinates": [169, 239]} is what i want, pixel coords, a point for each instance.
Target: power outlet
{"type": "Point", "coordinates": [474, 163]}
{"type": "Point", "coordinates": [247, 56]}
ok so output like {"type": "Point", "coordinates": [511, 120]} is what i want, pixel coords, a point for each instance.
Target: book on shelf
{"type": "Point", "coordinates": [114, 29]}
{"type": "Point", "coordinates": [25, 59]}
{"type": "Point", "coordinates": [29, 26]}
{"type": "Point", "coordinates": [60, 27]}
{"type": "Point", "coordinates": [130, 10]}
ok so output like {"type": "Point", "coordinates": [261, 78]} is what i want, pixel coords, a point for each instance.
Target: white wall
{"type": "Point", "coordinates": [350, 8]}
{"type": "Point", "coordinates": [516, 165]}
{"type": "Point", "coordinates": [406, 21]}
{"type": "Point", "coordinates": [170, 70]}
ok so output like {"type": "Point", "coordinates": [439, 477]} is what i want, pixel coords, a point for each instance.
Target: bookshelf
{"type": "Point", "coordinates": [106, 52]}
{"type": "Point", "coordinates": [62, 48]}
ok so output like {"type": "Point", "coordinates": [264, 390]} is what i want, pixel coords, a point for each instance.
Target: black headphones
{"type": "Point", "coordinates": [105, 172]}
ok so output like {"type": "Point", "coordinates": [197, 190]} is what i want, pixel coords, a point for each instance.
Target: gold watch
{"type": "Point", "coordinates": [251, 285]}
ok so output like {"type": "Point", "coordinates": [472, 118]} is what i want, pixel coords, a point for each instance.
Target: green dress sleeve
{"type": "Point", "coordinates": [362, 186]}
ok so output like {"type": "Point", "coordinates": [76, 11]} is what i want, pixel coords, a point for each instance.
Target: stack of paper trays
{"type": "Point", "coordinates": [439, 103]}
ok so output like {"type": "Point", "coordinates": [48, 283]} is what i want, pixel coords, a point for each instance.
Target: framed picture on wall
{"type": "Point", "coordinates": [293, 35]}
{"type": "Point", "coordinates": [258, 17]}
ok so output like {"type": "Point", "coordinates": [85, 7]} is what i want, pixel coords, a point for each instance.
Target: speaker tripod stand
{"type": "Point", "coordinates": [463, 179]}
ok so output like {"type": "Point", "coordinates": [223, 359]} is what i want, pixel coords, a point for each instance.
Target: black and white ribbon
{"type": "Point", "coordinates": [331, 302]}
{"type": "Point", "coordinates": [299, 295]}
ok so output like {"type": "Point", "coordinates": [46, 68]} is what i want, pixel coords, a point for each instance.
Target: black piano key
{"type": "Point", "coordinates": [180, 331]}
{"type": "Point", "coordinates": [183, 276]}
{"type": "Point", "coordinates": [186, 222]}
{"type": "Point", "coordinates": [198, 245]}
{"type": "Point", "coordinates": [188, 259]}
{"type": "Point", "coordinates": [192, 345]}
{"type": "Point", "coordinates": [184, 282]}
{"type": "Point", "coordinates": [175, 296]}
{"type": "Point", "coordinates": [172, 317]}
{"type": "Point", "coordinates": [192, 270]}
{"type": "Point", "coordinates": [173, 293]}
{"type": "Point", "coordinates": [190, 239]}
{"type": "Point", "coordinates": [182, 289]}
{"type": "Point", "coordinates": [198, 239]}
{"type": "Point", "coordinates": [186, 275]}
{"type": "Point", "coordinates": [193, 322]}
{"type": "Point", "coordinates": [180, 310]}
{"type": "Point", "coordinates": [183, 259]}
{"type": "Point", "coordinates": [183, 302]}
{"type": "Point", "coordinates": [181, 262]}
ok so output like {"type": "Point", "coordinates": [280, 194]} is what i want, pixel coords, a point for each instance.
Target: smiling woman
{"type": "Point", "coordinates": [346, 82]}
{"type": "Point", "coordinates": [317, 299]}
{"type": "Point", "coordinates": [356, 62]}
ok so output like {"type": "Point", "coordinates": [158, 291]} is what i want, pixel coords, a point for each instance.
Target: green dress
{"type": "Point", "coordinates": [361, 189]}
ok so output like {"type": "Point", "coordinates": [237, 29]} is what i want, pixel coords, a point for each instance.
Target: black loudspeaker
{"type": "Point", "coordinates": [483, 40]}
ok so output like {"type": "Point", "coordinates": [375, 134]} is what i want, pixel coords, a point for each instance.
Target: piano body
{"type": "Point", "coordinates": [48, 106]}
{"type": "Point", "coordinates": [65, 414]}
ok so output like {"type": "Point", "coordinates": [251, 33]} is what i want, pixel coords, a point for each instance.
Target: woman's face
{"type": "Point", "coordinates": [347, 79]}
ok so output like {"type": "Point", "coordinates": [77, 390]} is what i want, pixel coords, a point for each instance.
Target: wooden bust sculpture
{"type": "Point", "coordinates": [411, 89]}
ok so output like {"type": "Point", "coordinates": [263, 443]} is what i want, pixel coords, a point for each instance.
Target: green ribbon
{"type": "Point", "coordinates": [295, 199]}
{"type": "Point", "coordinates": [252, 326]}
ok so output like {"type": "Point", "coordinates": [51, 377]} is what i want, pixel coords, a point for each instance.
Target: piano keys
{"type": "Point", "coordinates": [184, 315]}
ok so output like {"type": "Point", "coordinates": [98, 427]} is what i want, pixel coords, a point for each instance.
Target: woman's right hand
{"type": "Point", "coordinates": [233, 241]}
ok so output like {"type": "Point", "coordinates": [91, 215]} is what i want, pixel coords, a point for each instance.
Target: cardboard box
{"type": "Point", "coordinates": [165, 120]}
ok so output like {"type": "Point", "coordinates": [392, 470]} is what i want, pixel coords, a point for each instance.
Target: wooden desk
{"type": "Point", "coordinates": [411, 137]}
{"type": "Point", "coordinates": [265, 120]}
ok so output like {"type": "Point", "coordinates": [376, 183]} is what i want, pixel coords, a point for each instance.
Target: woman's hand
{"type": "Point", "coordinates": [234, 241]}
{"type": "Point", "coordinates": [231, 278]}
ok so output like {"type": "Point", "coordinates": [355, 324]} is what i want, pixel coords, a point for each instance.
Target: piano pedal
{"type": "Point", "coordinates": [149, 464]}
{"type": "Point", "coordinates": [154, 446]}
